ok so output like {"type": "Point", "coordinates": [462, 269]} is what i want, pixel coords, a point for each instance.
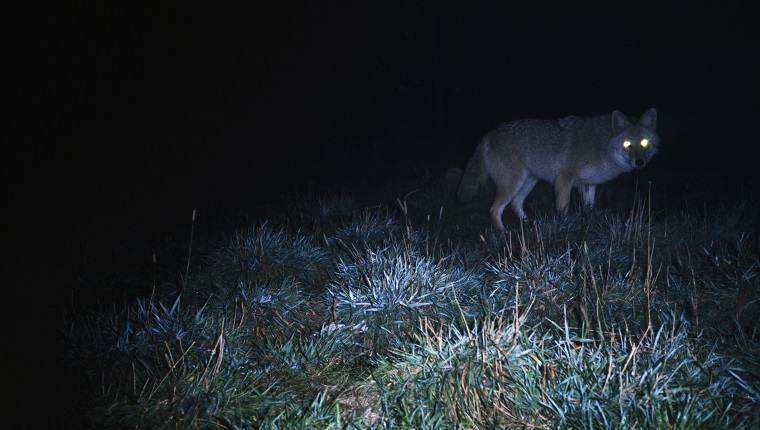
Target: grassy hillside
{"type": "Point", "coordinates": [406, 310]}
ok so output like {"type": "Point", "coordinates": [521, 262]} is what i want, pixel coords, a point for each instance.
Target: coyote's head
{"type": "Point", "coordinates": [634, 144]}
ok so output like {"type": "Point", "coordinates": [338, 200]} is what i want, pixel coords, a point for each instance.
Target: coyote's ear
{"type": "Point", "coordinates": [619, 122]}
{"type": "Point", "coordinates": [649, 119]}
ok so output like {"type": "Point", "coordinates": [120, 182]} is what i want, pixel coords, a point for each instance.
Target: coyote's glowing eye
{"type": "Point", "coordinates": [644, 143]}
{"type": "Point", "coordinates": [626, 144]}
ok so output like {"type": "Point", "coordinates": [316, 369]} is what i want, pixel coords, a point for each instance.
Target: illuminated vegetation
{"type": "Point", "coordinates": [414, 314]}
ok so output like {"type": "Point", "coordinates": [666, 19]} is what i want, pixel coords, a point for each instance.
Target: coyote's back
{"type": "Point", "coordinates": [579, 152]}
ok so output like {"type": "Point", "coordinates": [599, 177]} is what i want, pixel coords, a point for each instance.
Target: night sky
{"type": "Point", "coordinates": [122, 108]}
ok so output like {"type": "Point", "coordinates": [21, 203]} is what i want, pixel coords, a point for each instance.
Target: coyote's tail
{"type": "Point", "coordinates": [475, 175]}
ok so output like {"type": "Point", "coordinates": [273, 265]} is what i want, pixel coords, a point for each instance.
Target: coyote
{"type": "Point", "coordinates": [580, 152]}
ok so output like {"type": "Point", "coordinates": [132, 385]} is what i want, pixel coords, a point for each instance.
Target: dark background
{"type": "Point", "coordinates": [122, 111]}
{"type": "Point", "coordinates": [125, 103]}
